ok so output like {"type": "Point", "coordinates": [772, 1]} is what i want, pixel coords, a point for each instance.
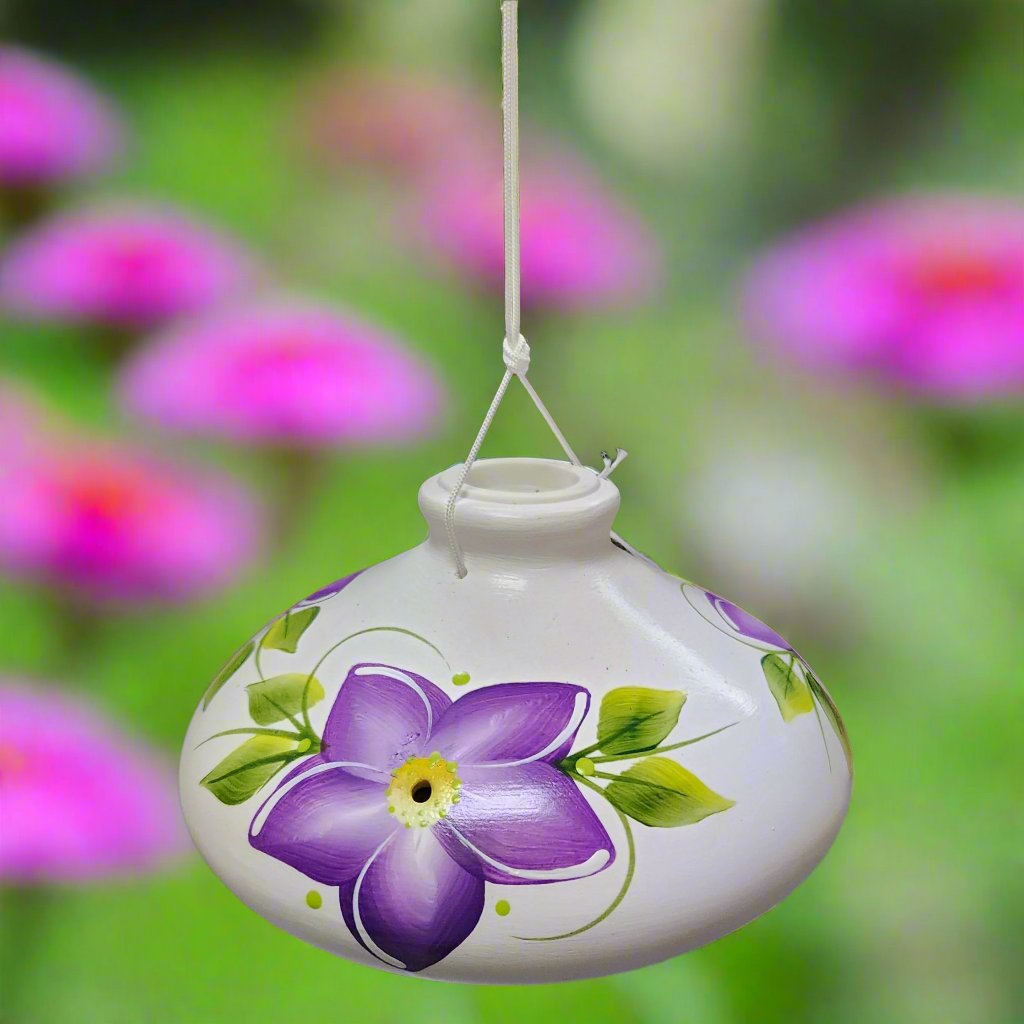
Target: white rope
{"type": "Point", "coordinates": [510, 135]}
{"type": "Point", "coordinates": [453, 497]}
{"type": "Point", "coordinates": [516, 354]}
{"type": "Point", "coordinates": [550, 420]}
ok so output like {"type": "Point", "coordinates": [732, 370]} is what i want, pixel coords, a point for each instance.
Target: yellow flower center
{"type": "Point", "coordinates": [423, 790]}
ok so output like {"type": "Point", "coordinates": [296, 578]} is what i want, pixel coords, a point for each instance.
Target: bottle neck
{"type": "Point", "coordinates": [525, 509]}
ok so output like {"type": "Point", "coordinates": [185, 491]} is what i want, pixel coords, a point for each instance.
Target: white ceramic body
{"type": "Point", "coordinates": [549, 597]}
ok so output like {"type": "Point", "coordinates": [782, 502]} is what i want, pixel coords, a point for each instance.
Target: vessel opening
{"type": "Point", "coordinates": [522, 476]}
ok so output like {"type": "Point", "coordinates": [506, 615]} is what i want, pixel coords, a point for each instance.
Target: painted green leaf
{"type": "Point", "coordinates": [275, 699]}
{"type": "Point", "coordinates": [832, 714]}
{"type": "Point", "coordinates": [248, 768]}
{"type": "Point", "coordinates": [286, 632]}
{"type": "Point", "coordinates": [634, 718]}
{"type": "Point", "coordinates": [786, 680]}
{"type": "Point", "coordinates": [662, 793]}
{"type": "Point", "coordinates": [231, 666]}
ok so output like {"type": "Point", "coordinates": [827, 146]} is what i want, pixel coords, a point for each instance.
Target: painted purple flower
{"type": "Point", "coordinates": [53, 127]}
{"type": "Point", "coordinates": [387, 120]}
{"type": "Point", "coordinates": [730, 618]}
{"type": "Point", "coordinates": [79, 800]}
{"type": "Point", "coordinates": [115, 525]}
{"type": "Point", "coordinates": [127, 266]}
{"type": "Point", "coordinates": [415, 802]}
{"type": "Point", "coordinates": [580, 248]}
{"type": "Point", "coordinates": [324, 593]}
{"type": "Point", "coordinates": [295, 375]}
{"type": "Point", "coordinates": [926, 292]}
{"type": "Point", "coordinates": [744, 623]}
{"type": "Point", "coordinates": [796, 689]}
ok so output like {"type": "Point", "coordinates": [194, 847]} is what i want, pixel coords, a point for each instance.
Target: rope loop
{"type": "Point", "coordinates": [517, 357]}
{"type": "Point", "coordinates": [515, 354]}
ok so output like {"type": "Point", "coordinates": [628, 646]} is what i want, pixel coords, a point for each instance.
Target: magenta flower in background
{"type": "Point", "coordinates": [26, 426]}
{"type": "Point", "coordinates": [127, 266]}
{"type": "Point", "coordinates": [53, 126]}
{"type": "Point", "coordinates": [110, 524]}
{"type": "Point", "coordinates": [580, 247]}
{"type": "Point", "coordinates": [294, 375]}
{"type": "Point", "coordinates": [79, 800]}
{"type": "Point", "coordinates": [926, 292]}
{"type": "Point", "coordinates": [393, 121]}
{"type": "Point", "coordinates": [17, 418]}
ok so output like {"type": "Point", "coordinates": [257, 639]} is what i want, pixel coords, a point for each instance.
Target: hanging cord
{"type": "Point", "coordinates": [510, 180]}
{"type": "Point", "coordinates": [515, 350]}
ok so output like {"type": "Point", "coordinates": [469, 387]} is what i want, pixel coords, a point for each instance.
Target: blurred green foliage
{"type": "Point", "coordinates": [915, 916]}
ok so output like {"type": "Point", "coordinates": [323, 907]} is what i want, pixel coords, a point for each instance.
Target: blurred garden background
{"type": "Point", "coordinates": [250, 289]}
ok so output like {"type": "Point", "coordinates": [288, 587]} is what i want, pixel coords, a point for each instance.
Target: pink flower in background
{"type": "Point", "coordinates": [128, 266]}
{"type": "Point", "coordinates": [927, 292]}
{"type": "Point", "coordinates": [25, 424]}
{"type": "Point", "coordinates": [79, 800]}
{"type": "Point", "coordinates": [294, 375]}
{"type": "Point", "coordinates": [580, 248]}
{"type": "Point", "coordinates": [393, 121]}
{"type": "Point", "coordinates": [52, 125]}
{"type": "Point", "coordinates": [113, 525]}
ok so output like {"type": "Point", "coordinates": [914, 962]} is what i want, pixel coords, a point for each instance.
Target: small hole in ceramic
{"type": "Point", "coordinates": [421, 792]}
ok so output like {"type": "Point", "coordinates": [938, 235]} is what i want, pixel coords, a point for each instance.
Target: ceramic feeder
{"type": "Point", "coordinates": [566, 764]}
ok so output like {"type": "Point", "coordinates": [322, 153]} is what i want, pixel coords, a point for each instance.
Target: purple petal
{"type": "Point", "coordinates": [512, 723]}
{"type": "Point", "coordinates": [330, 590]}
{"type": "Point", "coordinates": [744, 623]}
{"type": "Point", "coordinates": [324, 821]}
{"type": "Point", "coordinates": [524, 825]}
{"type": "Point", "coordinates": [382, 716]}
{"type": "Point", "coordinates": [412, 904]}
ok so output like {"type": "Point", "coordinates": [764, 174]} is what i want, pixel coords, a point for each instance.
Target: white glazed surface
{"type": "Point", "coordinates": [549, 598]}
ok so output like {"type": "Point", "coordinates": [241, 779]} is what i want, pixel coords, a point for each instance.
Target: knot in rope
{"type": "Point", "coordinates": [517, 356]}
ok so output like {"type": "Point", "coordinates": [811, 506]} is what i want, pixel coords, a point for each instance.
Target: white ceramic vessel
{"type": "Point", "coordinates": [566, 764]}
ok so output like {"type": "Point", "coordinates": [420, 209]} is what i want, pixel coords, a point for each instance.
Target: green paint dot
{"type": "Point", "coordinates": [460, 678]}
{"type": "Point", "coordinates": [303, 746]}
{"type": "Point", "coordinates": [314, 900]}
{"type": "Point", "coordinates": [585, 766]}
{"type": "Point", "coordinates": [502, 908]}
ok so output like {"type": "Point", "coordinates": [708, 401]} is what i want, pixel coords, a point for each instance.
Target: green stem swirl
{"type": "Point", "coordinates": [568, 764]}
{"type": "Point", "coordinates": [626, 882]}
